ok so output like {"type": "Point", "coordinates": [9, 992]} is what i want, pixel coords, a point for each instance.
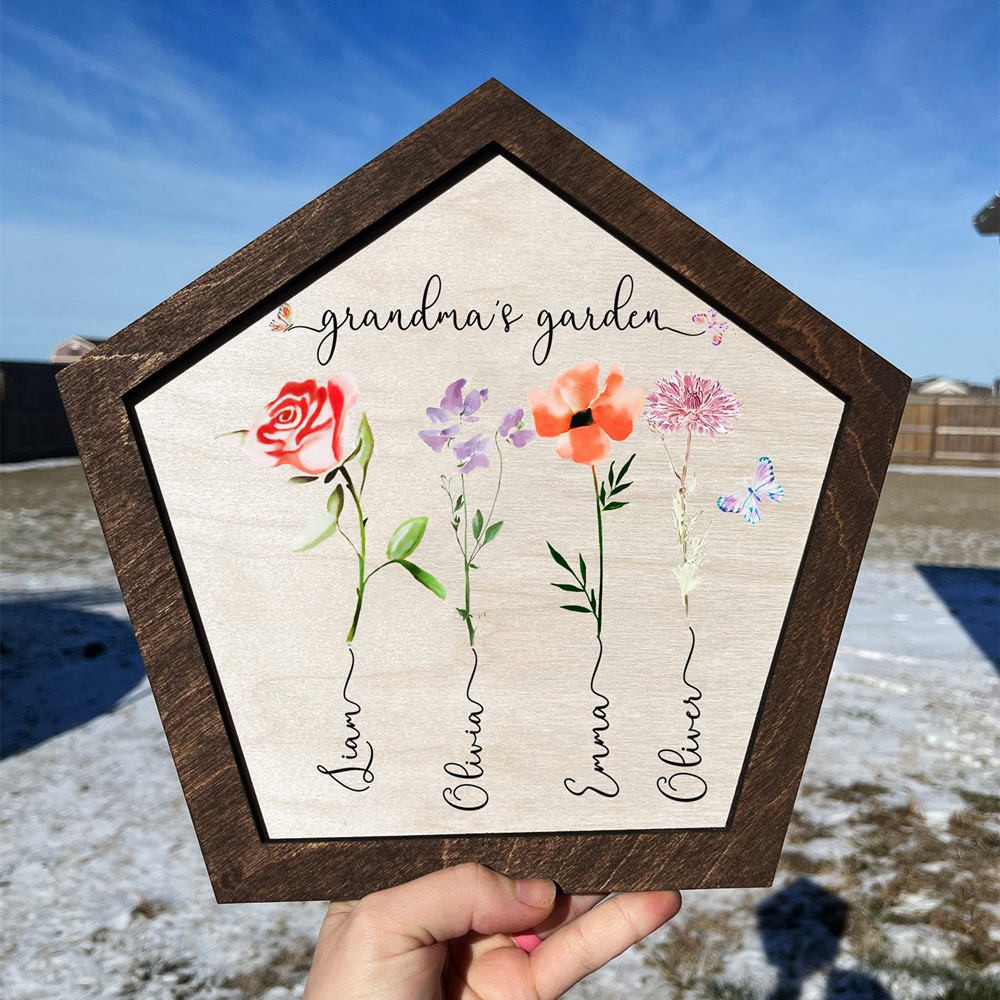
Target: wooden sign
{"type": "Point", "coordinates": [486, 509]}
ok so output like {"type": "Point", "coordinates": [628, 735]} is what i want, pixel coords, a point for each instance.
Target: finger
{"type": "Point", "coordinates": [336, 913]}
{"type": "Point", "coordinates": [596, 937]}
{"type": "Point", "coordinates": [450, 903]}
{"type": "Point", "coordinates": [567, 908]}
{"type": "Point", "coordinates": [528, 941]}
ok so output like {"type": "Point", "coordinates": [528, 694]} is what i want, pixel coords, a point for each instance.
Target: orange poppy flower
{"type": "Point", "coordinates": [584, 417]}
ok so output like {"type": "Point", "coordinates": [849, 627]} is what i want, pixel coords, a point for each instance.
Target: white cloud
{"type": "Point", "coordinates": [844, 151]}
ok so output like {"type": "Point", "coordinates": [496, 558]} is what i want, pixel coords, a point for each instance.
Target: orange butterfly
{"type": "Point", "coordinates": [711, 321]}
{"type": "Point", "coordinates": [283, 321]}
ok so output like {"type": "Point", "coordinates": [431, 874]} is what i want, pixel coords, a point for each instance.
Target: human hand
{"type": "Point", "coordinates": [450, 936]}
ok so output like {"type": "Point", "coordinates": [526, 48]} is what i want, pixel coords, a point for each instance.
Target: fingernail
{"type": "Point", "coordinates": [540, 892]}
{"type": "Point", "coordinates": [527, 942]}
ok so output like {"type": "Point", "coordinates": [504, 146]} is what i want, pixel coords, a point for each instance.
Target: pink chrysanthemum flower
{"type": "Point", "coordinates": [689, 402]}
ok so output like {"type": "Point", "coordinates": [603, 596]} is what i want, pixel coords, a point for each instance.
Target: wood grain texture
{"type": "Point", "coordinates": [97, 391]}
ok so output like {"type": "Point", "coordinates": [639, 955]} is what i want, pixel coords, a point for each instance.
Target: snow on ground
{"type": "Point", "coordinates": [888, 885]}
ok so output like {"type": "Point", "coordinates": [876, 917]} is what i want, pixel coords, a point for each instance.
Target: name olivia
{"type": "Point", "coordinates": [468, 796]}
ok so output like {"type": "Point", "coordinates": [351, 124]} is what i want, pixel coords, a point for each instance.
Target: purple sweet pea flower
{"type": "Point", "coordinates": [511, 419]}
{"type": "Point", "coordinates": [453, 405]}
{"type": "Point", "coordinates": [457, 408]}
{"type": "Point", "coordinates": [472, 453]}
{"type": "Point", "coordinates": [511, 430]}
{"type": "Point", "coordinates": [439, 438]}
{"type": "Point", "coordinates": [476, 462]}
{"type": "Point", "coordinates": [473, 401]}
{"type": "Point", "coordinates": [452, 402]}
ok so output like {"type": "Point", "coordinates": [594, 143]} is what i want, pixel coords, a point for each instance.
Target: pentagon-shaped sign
{"type": "Point", "coordinates": [486, 508]}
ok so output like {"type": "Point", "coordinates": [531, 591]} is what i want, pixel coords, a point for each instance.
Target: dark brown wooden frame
{"type": "Point", "coordinates": [97, 391]}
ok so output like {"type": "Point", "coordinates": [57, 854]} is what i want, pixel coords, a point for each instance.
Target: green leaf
{"type": "Point", "coordinates": [459, 503]}
{"type": "Point", "coordinates": [576, 607]}
{"type": "Point", "coordinates": [492, 531]}
{"type": "Point", "coordinates": [332, 474]}
{"type": "Point", "coordinates": [593, 600]}
{"type": "Point", "coordinates": [463, 614]}
{"type": "Point", "coordinates": [406, 538]}
{"type": "Point", "coordinates": [335, 502]}
{"type": "Point", "coordinates": [422, 576]}
{"type": "Point", "coordinates": [583, 571]}
{"type": "Point", "coordinates": [558, 558]}
{"type": "Point", "coordinates": [611, 473]}
{"type": "Point", "coordinates": [603, 497]}
{"type": "Point", "coordinates": [616, 504]}
{"type": "Point", "coordinates": [618, 489]}
{"type": "Point", "coordinates": [302, 479]}
{"type": "Point", "coordinates": [624, 469]}
{"type": "Point", "coordinates": [477, 524]}
{"type": "Point", "coordinates": [317, 529]}
{"type": "Point", "coordinates": [365, 446]}
{"type": "Point", "coordinates": [242, 435]}
{"type": "Point", "coordinates": [571, 588]}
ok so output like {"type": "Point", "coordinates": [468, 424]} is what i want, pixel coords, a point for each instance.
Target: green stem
{"type": "Point", "coordinates": [496, 495]}
{"type": "Point", "coordinates": [347, 538]}
{"type": "Point", "coordinates": [682, 493]}
{"type": "Point", "coordinates": [361, 553]}
{"type": "Point", "coordinates": [467, 559]}
{"type": "Point", "coordinates": [468, 606]}
{"type": "Point", "coordinates": [600, 549]}
{"type": "Point", "coordinates": [670, 459]}
{"type": "Point", "coordinates": [388, 562]}
{"type": "Point", "coordinates": [681, 477]}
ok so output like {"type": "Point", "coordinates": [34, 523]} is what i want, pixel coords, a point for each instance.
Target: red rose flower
{"type": "Point", "coordinates": [303, 426]}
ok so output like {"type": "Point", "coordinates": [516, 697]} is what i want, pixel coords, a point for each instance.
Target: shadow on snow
{"type": "Point", "coordinates": [63, 664]}
{"type": "Point", "coordinates": [972, 595]}
{"type": "Point", "coordinates": [801, 927]}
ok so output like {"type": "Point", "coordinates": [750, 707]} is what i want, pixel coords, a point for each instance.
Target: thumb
{"type": "Point", "coordinates": [449, 904]}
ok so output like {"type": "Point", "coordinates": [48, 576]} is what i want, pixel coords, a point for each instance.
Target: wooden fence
{"type": "Point", "coordinates": [940, 430]}
{"type": "Point", "coordinates": [949, 430]}
{"type": "Point", "coordinates": [33, 423]}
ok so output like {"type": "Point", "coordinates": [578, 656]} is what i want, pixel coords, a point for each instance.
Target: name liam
{"type": "Point", "coordinates": [355, 777]}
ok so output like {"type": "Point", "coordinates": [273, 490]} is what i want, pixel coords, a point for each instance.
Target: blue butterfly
{"type": "Point", "coordinates": [748, 502]}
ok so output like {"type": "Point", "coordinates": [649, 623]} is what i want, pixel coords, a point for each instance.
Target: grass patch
{"type": "Point", "coordinates": [287, 968]}
{"type": "Point", "coordinates": [859, 791]}
{"type": "Point", "coordinates": [802, 829]}
{"type": "Point", "coordinates": [796, 862]}
{"type": "Point", "coordinates": [691, 952]}
{"type": "Point", "coordinates": [149, 908]}
{"type": "Point", "coordinates": [178, 973]}
{"type": "Point", "coordinates": [941, 881]}
{"type": "Point", "coordinates": [980, 802]}
{"type": "Point", "coordinates": [951, 983]}
{"type": "Point", "coordinates": [969, 827]}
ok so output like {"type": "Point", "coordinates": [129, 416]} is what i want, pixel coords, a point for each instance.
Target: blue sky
{"type": "Point", "coordinates": [841, 147]}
